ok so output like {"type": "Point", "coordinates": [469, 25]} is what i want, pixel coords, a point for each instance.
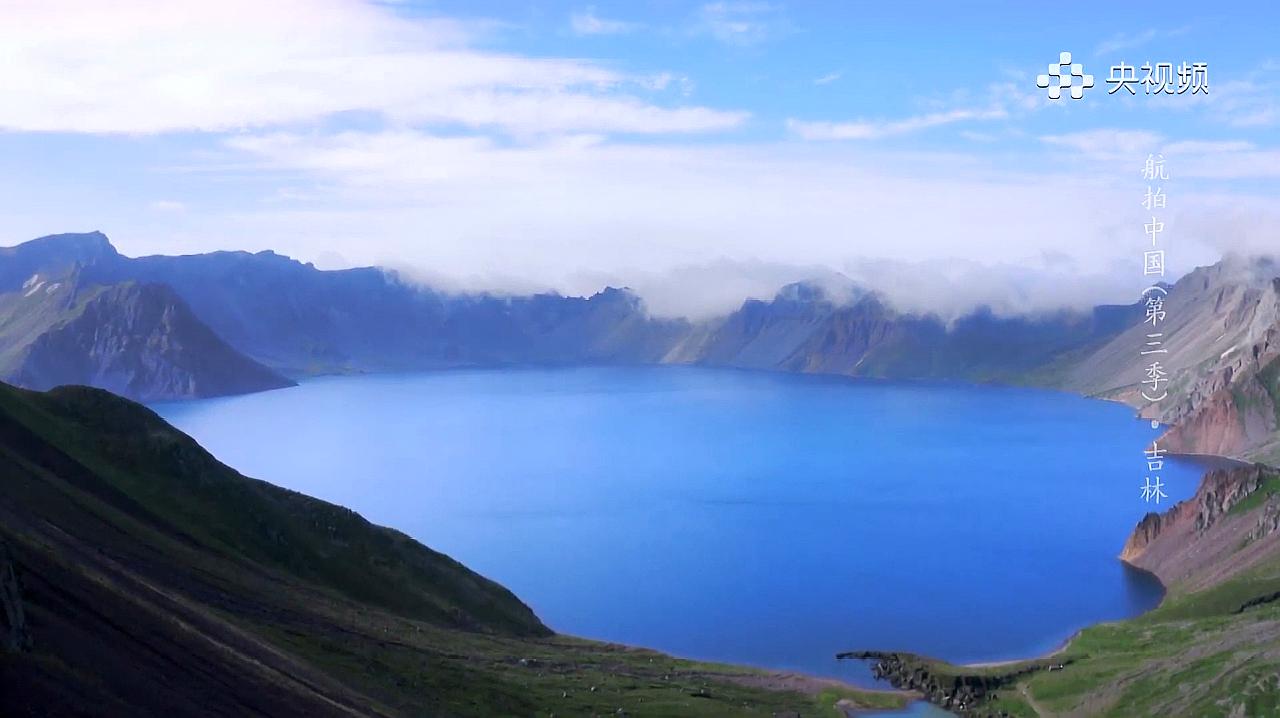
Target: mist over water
{"type": "Point", "coordinates": [758, 518]}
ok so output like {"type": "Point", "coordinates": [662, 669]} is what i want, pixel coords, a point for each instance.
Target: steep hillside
{"type": "Point", "coordinates": [139, 340]}
{"type": "Point", "coordinates": [1212, 648]}
{"type": "Point", "coordinates": [1222, 330]}
{"type": "Point", "coordinates": [1227, 529]}
{"type": "Point", "coordinates": [140, 577]}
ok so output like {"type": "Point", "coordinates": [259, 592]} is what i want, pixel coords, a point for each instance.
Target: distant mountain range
{"type": "Point", "coordinates": [300, 320]}
{"type": "Point", "coordinates": [232, 322]}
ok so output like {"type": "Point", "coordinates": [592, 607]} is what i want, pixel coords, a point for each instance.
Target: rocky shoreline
{"type": "Point", "coordinates": [959, 689]}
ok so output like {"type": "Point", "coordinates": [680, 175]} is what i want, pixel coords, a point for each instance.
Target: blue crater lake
{"type": "Point", "coordinates": [758, 518]}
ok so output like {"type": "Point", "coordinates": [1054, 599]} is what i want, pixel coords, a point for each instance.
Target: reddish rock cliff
{"type": "Point", "coordinates": [1202, 541]}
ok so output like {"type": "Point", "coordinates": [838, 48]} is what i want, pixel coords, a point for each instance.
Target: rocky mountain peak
{"type": "Point", "coordinates": [1257, 271]}
{"type": "Point", "coordinates": [55, 255]}
{"type": "Point", "coordinates": [832, 289]}
{"type": "Point", "coordinates": [84, 246]}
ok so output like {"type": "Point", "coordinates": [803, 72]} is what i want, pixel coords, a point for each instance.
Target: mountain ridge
{"type": "Point", "coordinates": [1222, 332]}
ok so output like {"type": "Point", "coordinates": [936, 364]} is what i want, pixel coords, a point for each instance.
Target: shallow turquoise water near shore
{"type": "Point", "coordinates": [767, 519]}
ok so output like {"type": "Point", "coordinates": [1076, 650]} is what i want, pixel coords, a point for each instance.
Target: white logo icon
{"type": "Point", "coordinates": [1065, 74]}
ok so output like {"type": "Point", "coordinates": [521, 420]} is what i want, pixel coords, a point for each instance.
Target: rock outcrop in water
{"type": "Point", "coordinates": [968, 692]}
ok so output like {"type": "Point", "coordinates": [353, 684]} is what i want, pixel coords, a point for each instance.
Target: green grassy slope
{"type": "Point", "coordinates": [152, 580]}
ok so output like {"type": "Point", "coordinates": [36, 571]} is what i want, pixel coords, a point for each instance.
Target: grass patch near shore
{"type": "Point", "coordinates": [1178, 660]}
{"type": "Point", "coordinates": [1165, 667]}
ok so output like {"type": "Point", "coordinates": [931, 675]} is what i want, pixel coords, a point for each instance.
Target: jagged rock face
{"type": "Point", "coordinates": [1235, 411]}
{"type": "Point", "coordinates": [140, 341]}
{"type": "Point", "coordinates": [1230, 404]}
{"type": "Point", "coordinates": [1268, 522]}
{"type": "Point", "coordinates": [1202, 541]}
{"type": "Point", "coordinates": [799, 330]}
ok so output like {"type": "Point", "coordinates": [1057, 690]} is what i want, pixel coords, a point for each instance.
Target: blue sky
{"type": "Point", "coordinates": [864, 59]}
{"type": "Point", "coordinates": [699, 152]}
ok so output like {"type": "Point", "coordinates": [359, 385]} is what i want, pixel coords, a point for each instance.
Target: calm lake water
{"type": "Point", "coordinates": [767, 519]}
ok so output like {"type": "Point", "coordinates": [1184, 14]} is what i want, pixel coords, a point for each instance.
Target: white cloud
{"type": "Point", "coordinates": [735, 22]}
{"type": "Point", "coordinates": [531, 112]}
{"type": "Point", "coordinates": [1203, 147]}
{"type": "Point", "coordinates": [587, 22]}
{"type": "Point", "coordinates": [153, 67]}
{"type": "Point", "coordinates": [867, 130]}
{"type": "Point", "coordinates": [827, 79]}
{"type": "Point", "coordinates": [500, 171]}
{"type": "Point", "coordinates": [1250, 102]}
{"type": "Point", "coordinates": [1108, 144]}
{"type": "Point", "coordinates": [704, 290]}
{"type": "Point", "coordinates": [1129, 41]}
{"type": "Point", "coordinates": [1121, 150]}
{"type": "Point", "coordinates": [1234, 165]}
{"type": "Point", "coordinates": [1124, 41]}
{"type": "Point", "coordinates": [575, 213]}
{"type": "Point", "coordinates": [996, 101]}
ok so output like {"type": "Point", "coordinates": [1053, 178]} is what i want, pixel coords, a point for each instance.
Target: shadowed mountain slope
{"type": "Point", "coordinates": [140, 340]}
